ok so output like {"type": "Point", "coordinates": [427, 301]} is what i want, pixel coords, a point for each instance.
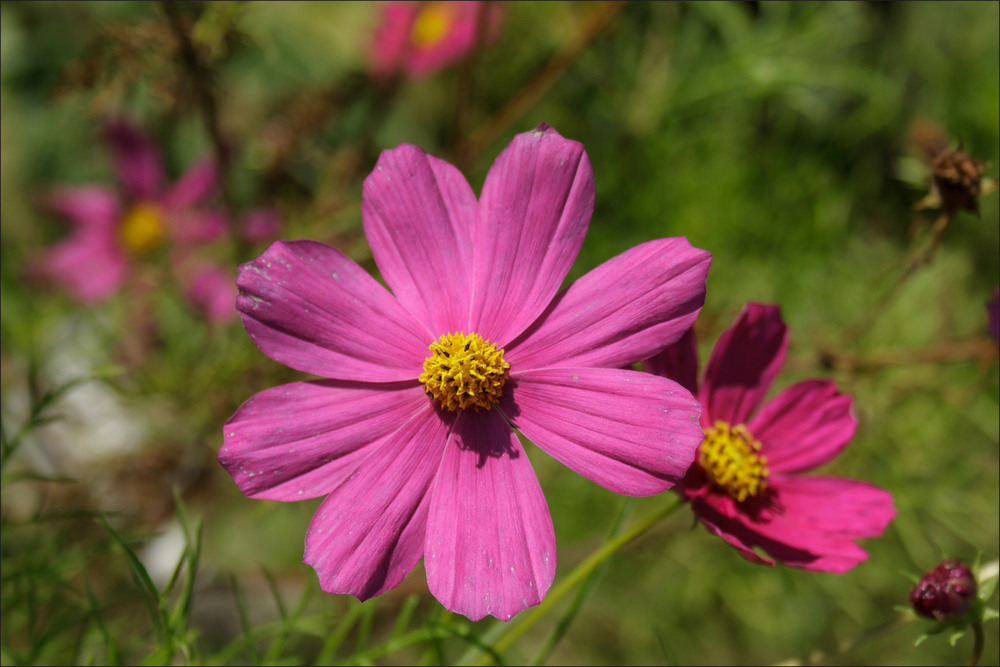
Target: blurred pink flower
{"type": "Point", "coordinates": [420, 38]}
{"type": "Point", "coordinates": [111, 226]}
{"type": "Point", "coordinates": [745, 485]}
{"type": "Point", "coordinates": [260, 224]}
{"type": "Point", "coordinates": [212, 292]}
{"type": "Point", "coordinates": [411, 438]}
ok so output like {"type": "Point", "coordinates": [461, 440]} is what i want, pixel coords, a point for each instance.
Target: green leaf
{"type": "Point", "coordinates": [149, 593]}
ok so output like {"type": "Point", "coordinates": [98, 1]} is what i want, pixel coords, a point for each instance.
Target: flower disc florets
{"type": "Point", "coordinates": [142, 228]}
{"type": "Point", "coordinates": [728, 457]}
{"type": "Point", "coordinates": [464, 371]}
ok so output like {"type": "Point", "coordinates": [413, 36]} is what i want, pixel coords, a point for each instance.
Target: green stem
{"type": "Point", "coordinates": [585, 590]}
{"type": "Point", "coordinates": [582, 571]}
{"type": "Point", "coordinates": [977, 647]}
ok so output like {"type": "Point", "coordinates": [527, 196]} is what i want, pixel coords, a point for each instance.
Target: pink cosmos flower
{"type": "Point", "coordinates": [411, 436]}
{"type": "Point", "coordinates": [421, 38]}
{"type": "Point", "coordinates": [111, 227]}
{"type": "Point", "coordinates": [745, 485]}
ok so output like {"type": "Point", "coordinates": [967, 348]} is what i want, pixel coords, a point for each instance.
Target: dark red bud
{"type": "Point", "coordinates": [946, 592]}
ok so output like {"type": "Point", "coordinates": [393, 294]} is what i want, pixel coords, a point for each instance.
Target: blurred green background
{"type": "Point", "coordinates": [775, 135]}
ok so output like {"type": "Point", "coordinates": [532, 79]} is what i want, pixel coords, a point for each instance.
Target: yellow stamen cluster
{"type": "Point", "coordinates": [728, 456]}
{"type": "Point", "coordinates": [431, 25]}
{"type": "Point", "coordinates": [142, 228]}
{"type": "Point", "coordinates": [464, 371]}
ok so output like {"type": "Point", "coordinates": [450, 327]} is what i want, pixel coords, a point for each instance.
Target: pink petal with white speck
{"type": "Point", "coordinates": [490, 546]}
{"type": "Point", "coordinates": [369, 532]}
{"type": "Point", "coordinates": [308, 306]}
{"type": "Point", "coordinates": [632, 433]}
{"type": "Point", "coordinates": [533, 214]}
{"type": "Point", "coordinates": [301, 440]}
{"type": "Point", "coordinates": [418, 216]}
{"type": "Point", "coordinates": [623, 311]}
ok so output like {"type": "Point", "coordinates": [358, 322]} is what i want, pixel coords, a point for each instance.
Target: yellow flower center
{"type": "Point", "coordinates": [431, 25]}
{"type": "Point", "coordinates": [464, 371]}
{"type": "Point", "coordinates": [141, 229]}
{"type": "Point", "coordinates": [728, 456]}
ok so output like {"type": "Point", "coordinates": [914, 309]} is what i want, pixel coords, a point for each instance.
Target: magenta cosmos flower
{"type": "Point", "coordinates": [111, 227]}
{"type": "Point", "coordinates": [411, 438]}
{"type": "Point", "coordinates": [745, 485]}
{"type": "Point", "coordinates": [420, 38]}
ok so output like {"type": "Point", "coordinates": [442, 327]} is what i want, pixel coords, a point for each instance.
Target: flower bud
{"type": "Point", "coordinates": [946, 592]}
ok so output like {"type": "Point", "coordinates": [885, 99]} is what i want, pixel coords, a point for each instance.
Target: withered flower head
{"type": "Point", "coordinates": [956, 176]}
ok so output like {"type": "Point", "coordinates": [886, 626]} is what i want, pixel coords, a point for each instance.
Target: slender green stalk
{"type": "Point", "coordinates": [588, 587]}
{"type": "Point", "coordinates": [977, 647]}
{"type": "Point", "coordinates": [557, 593]}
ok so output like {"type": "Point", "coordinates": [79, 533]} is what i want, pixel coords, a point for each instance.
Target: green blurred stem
{"type": "Point", "coordinates": [920, 260]}
{"type": "Point", "coordinates": [200, 79]}
{"type": "Point", "coordinates": [582, 571]}
{"type": "Point", "coordinates": [585, 590]}
{"type": "Point", "coordinates": [535, 89]}
{"type": "Point", "coordinates": [977, 647]}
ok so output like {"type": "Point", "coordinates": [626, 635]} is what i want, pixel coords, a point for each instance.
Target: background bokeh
{"type": "Point", "coordinates": [778, 136]}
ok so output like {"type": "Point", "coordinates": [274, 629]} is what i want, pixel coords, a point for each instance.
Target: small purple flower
{"type": "Point", "coordinates": [946, 592]}
{"type": "Point", "coordinates": [113, 226]}
{"type": "Point", "coordinates": [410, 436]}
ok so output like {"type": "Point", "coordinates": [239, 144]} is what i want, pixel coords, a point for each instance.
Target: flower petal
{"type": "Point", "coordinates": [622, 312]}
{"type": "Point", "coordinates": [301, 440]}
{"type": "Point", "coordinates": [369, 532]}
{"type": "Point", "coordinates": [136, 159]}
{"type": "Point", "coordinates": [191, 227]}
{"type": "Point", "coordinates": [721, 518]}
{"type": "Point", "coordinates": [391, 37]}
{"type": "Point", "coordinates": [94, 208]}
{"type": "Point", "coordinates": [743, 364]}
{"type": "Point", "coordinates": [809, 522]}
{"type": "Point", "coordinates": [197, 183]}
{"type": "Point", "coordinates": [212, 292]}
{"type": "Point", "coordinates": [678, 362]}
{"type": "Point", "coordinates": [632, 433]}
{"type": "Point", "coordinates": [823, 516]}
{"type": "Point", "coordinates": [490, 545]}
{"type": "Point", "coordinates": [260, 224]}
{"type": "Point", "coordinates": [88, 264]}
{"type": "Point", "coordinates": [533, 214]}
{"type": "Point", "coordinates": [418, 215]}
{"type": "Point", "coordinates": [804, 426]}
{"type": "Point", "coordinates": [308, 306]}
